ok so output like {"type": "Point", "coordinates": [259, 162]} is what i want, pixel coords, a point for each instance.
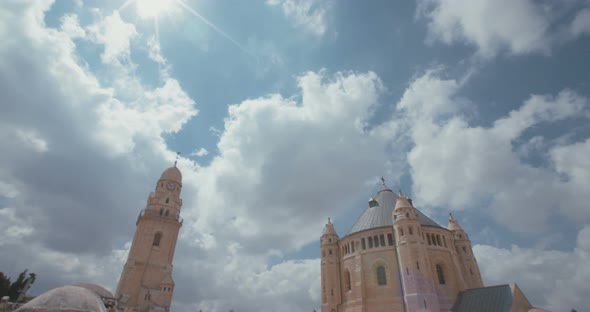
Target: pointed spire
{"type": "Point", "coordinates": [382, 180]}
{"type": "Point", "coordinates": [453, 223]}
{"type": "Point", "coordinates": [329, 228]}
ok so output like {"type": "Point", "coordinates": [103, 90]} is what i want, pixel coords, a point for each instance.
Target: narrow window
{"type": "Point", "coordinates": [352, 245]}
{"type": "Point", "coordinates": [332, 292]}
{"type": "Point", "coordinates": [394, 217]}
{"type": "Point", "coordinates": [418, 265]}
{"type": "Point", "coordinates": [363, 243]}
{"type": "Point", "coordinates": [330, 252]}
{"type": "Point", "coordinates": [407, 215]}
{"type": "Point", "coordinates": [166, 214]}
{"type": "Point", "coordinates": [329, 240]}
{"type": "Point", "coordinates": [445, 241]}
{"type": "Point", "coordinates": [425, 307]}
{"type": "Point", "coordinates": [370, 241]}
{"type": "Point", "coordinates": [464, 249]}
{"type": "Point", "coordinates": [438, 240]}
{"type": "Point", "coordinates": [167, 200]}
{"type": "Point", "coordinates": [382, 240]}
{"type": "Point", "coordinates": [401, 232]}
{"type": "Point", "coordinates": [440, 273]}
{"type": "Point", "coordinates": [407, 271]}
{"type": "Point", "coordinates": [428, 237]}
{"type": "Point", "coordinates": [347, 283]}
{"type": "Point", "coordinates": [423, 236]}
{"type": "Point", "coordinates": [157, 239]}
{"type": "Point", "coordinates": [470, 270]}
{"type": "Point", "coordinates": [390, 239]}
{"type": "Point", "coordinates": [161, 211]}
{"type": "Point", "coordinates": [411, 230]}
{"type": "Point", "coordinates": [376, 241]}
{"type": "Point", "coordinates": [381, 278]}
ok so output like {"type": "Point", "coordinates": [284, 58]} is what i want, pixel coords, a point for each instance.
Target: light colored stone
{"type": "Point", "coordinates": [146, 283]}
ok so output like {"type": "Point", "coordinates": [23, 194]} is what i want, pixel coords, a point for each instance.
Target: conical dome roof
{"type": "Point", "coordinates": [381, 214]}
{"type": "Point", "coordinates": [172, 174]}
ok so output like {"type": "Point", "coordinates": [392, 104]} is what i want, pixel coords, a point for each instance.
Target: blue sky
{"type": "Point", "coordinates": [287, 112]}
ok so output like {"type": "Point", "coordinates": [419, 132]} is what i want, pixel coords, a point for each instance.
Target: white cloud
{"type": "Point", "coordinates": [557, 280]}
{"type": "Point", "coordinates": [115, 34]}
{"type": "Point", "coordinates": [71, 26]}
{"type": "Point", "coordinates": [455, 165]}
{"type": "Point", "coordinates": [200, 152]}
{"type": "Point", "coordinates": [309, 15]}
{"type": "Point", "coordinates": [581, 23]}
{"type": "Point", "coordinates": [496, 26]}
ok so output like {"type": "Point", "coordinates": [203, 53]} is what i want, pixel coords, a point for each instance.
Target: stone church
{"type": "Point", "coordinates": [395, 258]}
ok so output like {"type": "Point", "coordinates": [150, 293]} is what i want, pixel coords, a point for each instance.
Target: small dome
{"type": "Point", "coordinates": [66, 298]}
{"type": "Point", "coordinates": [172, 174]}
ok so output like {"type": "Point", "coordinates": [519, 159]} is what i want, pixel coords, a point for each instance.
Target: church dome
{"type": "Point", "coordinates": [380, 215]}
{"type": "Point", "coordinates": [66, 298]}
{"type": "Point", "coordinates": [172, 174]}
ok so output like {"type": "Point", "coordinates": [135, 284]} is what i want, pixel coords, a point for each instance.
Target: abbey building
{"type": "Point", "coordinates": [395, 258]}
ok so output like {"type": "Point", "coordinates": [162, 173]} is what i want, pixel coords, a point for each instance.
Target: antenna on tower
{"type": "Point", "coordinates": [176, 160]}
{"type": "Point", "coordinates": [382, 180]}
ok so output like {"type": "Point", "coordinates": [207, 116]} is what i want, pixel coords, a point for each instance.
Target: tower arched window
{"type": "Point", "coordinates": [347, 284]}
{"type": "Point", "coordinates": [428, 237]}
{"type": "Point", "coordinates": [381, 277]}
{"type": "Point", "coordinates": [440, 273]}
{"type": "Point", "coordinates": [157, 239]}
{"type": "Point", "coordinates": [162, 211]}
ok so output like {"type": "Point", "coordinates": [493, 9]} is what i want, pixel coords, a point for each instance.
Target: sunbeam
{"type": "Point", "coordinates": [213, 26]}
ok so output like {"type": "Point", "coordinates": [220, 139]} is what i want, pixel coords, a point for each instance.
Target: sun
{"type": "Point", "coordinates": [147, 9]}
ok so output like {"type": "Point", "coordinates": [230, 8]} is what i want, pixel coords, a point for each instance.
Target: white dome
{"type": "Point", "coordinates": [97, 289]}
{"type": "Point", "coordinates": [66, 298]}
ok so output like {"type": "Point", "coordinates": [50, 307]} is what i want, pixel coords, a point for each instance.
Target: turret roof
{"type": "Point", "coordinates": [381, 215]}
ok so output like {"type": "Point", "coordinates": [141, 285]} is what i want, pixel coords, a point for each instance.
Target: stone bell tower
{"type": "Point", "coordinates": [146, 283]}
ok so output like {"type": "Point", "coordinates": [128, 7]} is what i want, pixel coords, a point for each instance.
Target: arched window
{"type": "Point", "coordinates": [167, 200]}
{"type": "Point", "coordinates": [418, 265]}
{"type": "Point", "coordinates": [161, 211]}
{"type": "Point", "coordinates": [166, 214]}
{"type": "Point", "coordinates": [347, 283]}
{"type": "Point", "coordinates": [411, 230]}
{"type": "Point", "coordinates": [157, 239]}
{"type": "Point", "coordinates": [381, 278]}
{"type": "Point", "coordinates": [438, 240]}
{"type": "Point", "coordinates": [440, 274]}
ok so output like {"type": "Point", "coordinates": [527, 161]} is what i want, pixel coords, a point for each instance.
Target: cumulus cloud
{"type": "Point", "coordinates": [71, 26]}
{"type": "Point", "coordinates": [115, 34]}
{"type": "Point", "coordinates": [66, 177]}
{"type": "Point", "coordinates": [200, 152]}
{"type": "Point", "coordinates": [557, 280]}
{"type": "Point", "coordinates": [309, 15]}
{"type": "Point", "coordinates": [455, 164]}
{"type": "Point", "coordinates": [493, 27]}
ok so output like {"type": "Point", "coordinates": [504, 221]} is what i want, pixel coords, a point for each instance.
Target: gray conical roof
{"type": "Point", "coordinates": [381, 215]}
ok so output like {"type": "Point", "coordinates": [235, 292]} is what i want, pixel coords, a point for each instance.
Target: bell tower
{"type": "Point", "coordinates": [146, 283]}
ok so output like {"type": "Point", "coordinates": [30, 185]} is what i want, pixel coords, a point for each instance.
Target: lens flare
{"type": "Point", "coordinates": [152, 8]}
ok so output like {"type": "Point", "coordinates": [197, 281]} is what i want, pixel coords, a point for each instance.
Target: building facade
{"type": "Point", "coordinates": [395, 258]}
{"type": "Point", "coordinates": [146, 282]}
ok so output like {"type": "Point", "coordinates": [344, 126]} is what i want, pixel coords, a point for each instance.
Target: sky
{"type": "Point", "coordinates": [287, 112]}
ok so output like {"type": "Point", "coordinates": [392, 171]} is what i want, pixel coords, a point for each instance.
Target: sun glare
{"type": "Point", "coordinates": [152, 8]}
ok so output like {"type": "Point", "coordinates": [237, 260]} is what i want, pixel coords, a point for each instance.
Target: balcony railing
{"type": "Point", "coordinates": [170, 217]}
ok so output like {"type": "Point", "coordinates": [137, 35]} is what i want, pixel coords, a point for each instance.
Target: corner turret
{"type": "Point", "coordinates": [468, 263]}
{"type": "Point", "coordinates": [414, 262]}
